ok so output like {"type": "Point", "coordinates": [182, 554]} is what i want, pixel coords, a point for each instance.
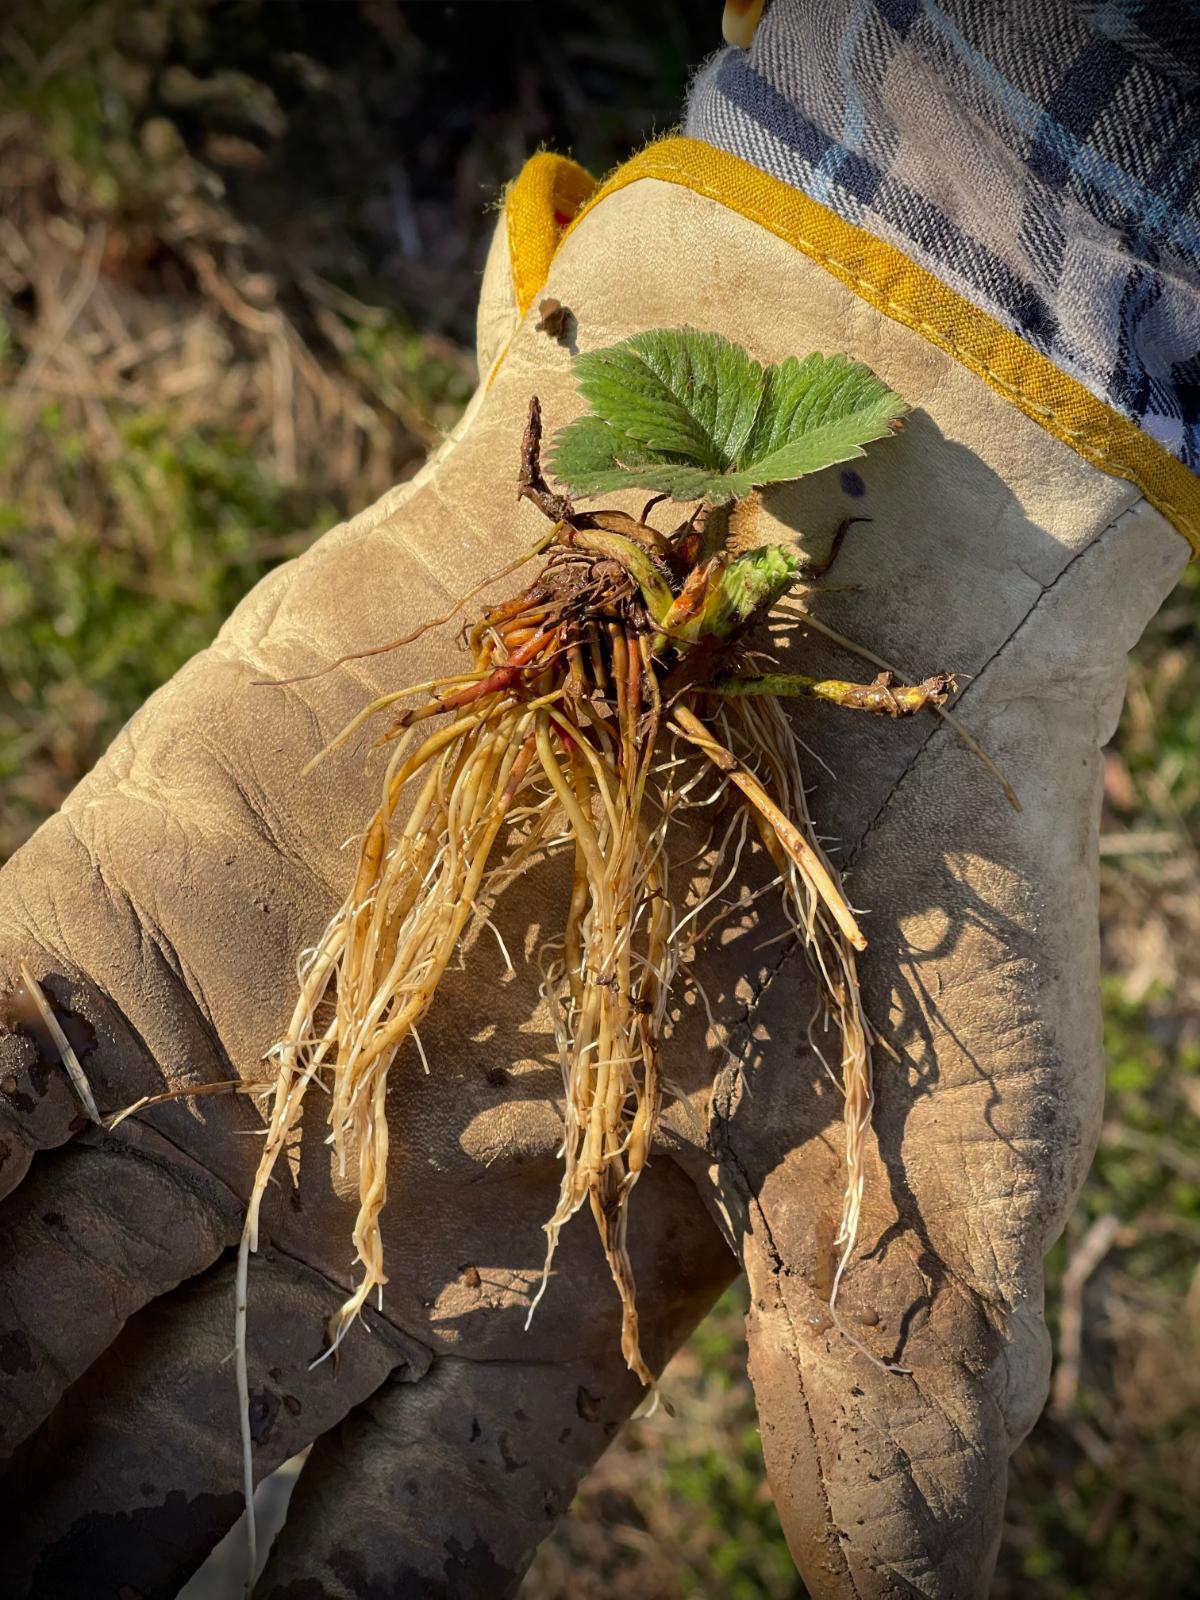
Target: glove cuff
{"type": "Point", "coordinates": [552, 196]}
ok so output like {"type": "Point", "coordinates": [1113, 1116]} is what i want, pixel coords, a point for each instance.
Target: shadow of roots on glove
{"type": "Point", "coordinates": [612, 697]}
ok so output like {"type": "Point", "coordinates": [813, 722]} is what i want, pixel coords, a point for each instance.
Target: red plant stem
{"type": "Point", "coordinates": [502, 678]}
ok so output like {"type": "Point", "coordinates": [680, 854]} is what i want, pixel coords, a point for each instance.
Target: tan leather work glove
{"type": "Point", "coordinates": [165, 908]}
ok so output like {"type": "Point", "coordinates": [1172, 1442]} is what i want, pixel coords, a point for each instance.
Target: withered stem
{"type": "Point", "coordinates": [883, 694]}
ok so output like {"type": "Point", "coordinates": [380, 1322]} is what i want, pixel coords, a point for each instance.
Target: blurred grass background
{"type": "Point", "coordinates": [239, 253]}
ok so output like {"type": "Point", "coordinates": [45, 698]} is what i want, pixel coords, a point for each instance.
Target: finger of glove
{"type": "Point", "coordinates": [40, 1107]}
{"type": "Point", "coordinates": [115, 984]}
{"type": "Point", "coordinates": [448, 1487]}
{"type": "Point", "coordinates": [886, 1484]}
{"type": "Point", "coordinates": [138, 1473]}
{"type": "Point", "coordinates": [97, 1229]}
{"type": "Point", "coordinates": [982, 973]}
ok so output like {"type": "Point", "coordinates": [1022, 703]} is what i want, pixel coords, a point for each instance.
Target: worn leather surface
{"type": "Point", "coordinates": [167, 904]}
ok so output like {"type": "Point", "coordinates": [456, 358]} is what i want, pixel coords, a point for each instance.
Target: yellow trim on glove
{"type": "Point", "coordinates": [541, 201]}
{"type": "Point", "coordinates": [879, 274]}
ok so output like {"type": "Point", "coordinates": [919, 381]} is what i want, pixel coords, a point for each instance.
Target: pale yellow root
{"type": "Point", "coordinates": [384, 951]}
{"type": "Point", "coordinates": [764, 729]}
{"type": "Point", "coordinates": [809, 860]}
{"type": "Point", "coordinates": [502, 767]}
{"type": "Point", "coordinates": [610, 996]}
{"type": "Point", "coordinates": [191, 1091]}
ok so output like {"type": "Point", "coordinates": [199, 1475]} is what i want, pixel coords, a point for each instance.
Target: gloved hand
{"type": "Point", "coordinates": [165, 907]}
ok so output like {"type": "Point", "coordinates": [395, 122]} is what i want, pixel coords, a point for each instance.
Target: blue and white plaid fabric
{"type": "Point", "coordinates": [1041, 157]}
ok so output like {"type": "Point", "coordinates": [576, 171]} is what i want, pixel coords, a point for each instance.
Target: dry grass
{"type": "Point", "coordinates": [196, 388]}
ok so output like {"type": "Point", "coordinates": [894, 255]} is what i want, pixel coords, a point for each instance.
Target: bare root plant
{"type": "Point", "coordinates": [600, 706]}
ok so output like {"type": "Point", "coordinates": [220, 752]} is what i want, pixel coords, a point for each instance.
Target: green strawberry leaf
{"type": "Point", "coordinates": [693, 395]}
{"type": "Point", "coordinates": [592, 457]}
{"type": "Point", "coordinates": [691, 415]}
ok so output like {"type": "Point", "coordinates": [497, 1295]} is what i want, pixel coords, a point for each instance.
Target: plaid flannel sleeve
{"type": "Point", "coordinates": [1040, 157]}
